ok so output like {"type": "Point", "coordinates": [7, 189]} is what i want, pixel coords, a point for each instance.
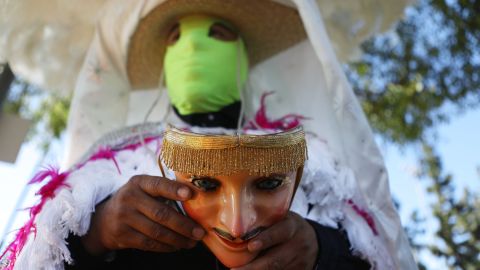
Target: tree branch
{"type": "Point", "coordinates": [6, 79]}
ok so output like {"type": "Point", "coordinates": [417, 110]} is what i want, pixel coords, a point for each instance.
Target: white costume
{"type": "Point", "coordinates": [345, 164]}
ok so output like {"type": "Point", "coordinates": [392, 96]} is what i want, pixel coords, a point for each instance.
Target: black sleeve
{"type": "Point", "coordinates": [82, 259]}
{"type": "Point", "coordinates": [334, 250]}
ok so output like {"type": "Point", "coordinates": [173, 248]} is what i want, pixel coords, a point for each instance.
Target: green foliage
{"type": "Point", "coordinates": [407, 77]}
{"type": "Point", "coordinates": [459, 219]}
{"type": "Point", "coordinates": [413, 79]}
{"type": "Point", "coordinates": [48, 112]}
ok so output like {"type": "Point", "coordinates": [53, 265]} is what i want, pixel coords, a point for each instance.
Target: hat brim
{"type": "Point", "coordinates": [266, 27]}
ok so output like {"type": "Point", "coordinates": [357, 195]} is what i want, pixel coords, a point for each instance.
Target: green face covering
{"type": "Point", "coordinates": [201, 71]}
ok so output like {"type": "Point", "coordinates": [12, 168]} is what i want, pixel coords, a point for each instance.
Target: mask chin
{"type": "Point", "coordinates": [227, 117]}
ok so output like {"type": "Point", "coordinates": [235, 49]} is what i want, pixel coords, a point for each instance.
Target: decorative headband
{"type": "Point", "coordinates": [205, 154]}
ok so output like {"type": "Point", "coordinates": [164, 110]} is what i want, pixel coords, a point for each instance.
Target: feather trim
{"type": "Point", "coordinates": [47, 192]}
{"type": "Point", "coordinates": [262, 121]}
{"type": "Point", "coordinates": [62, 211]}
{"type": "Point", "coordinates": [331, 190]}
{"type": "Point", "coordinates": [326, 185]}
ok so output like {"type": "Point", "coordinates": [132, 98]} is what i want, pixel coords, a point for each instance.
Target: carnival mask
{"type": "Point", "coordinates": [242, 184]}
{"type": "Point", "coordinates": [206, 65]}
{"type": "Point", "coordinates": [234, 209]}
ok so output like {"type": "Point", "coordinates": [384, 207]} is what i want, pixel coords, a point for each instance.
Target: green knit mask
{"type": "Point", "coordinates": [201, 71]}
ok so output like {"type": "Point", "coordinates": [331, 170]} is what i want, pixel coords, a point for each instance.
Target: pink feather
{"type": "Point", "coordinates": [365, 215]}
{"type": "Point", "coordinates": [46, 192]}
{"type": "Point", "coordinates": [57, 181]}
{"type": "Point", "coordinates": [105, 153]}
{"type": "Point", "coordinates": [135, 146]}
{"type": "Point", "coordinates": [261, 119]}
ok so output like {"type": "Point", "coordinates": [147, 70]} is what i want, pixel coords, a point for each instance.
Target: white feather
{"type": "Point", "coordinates": [325, 184]}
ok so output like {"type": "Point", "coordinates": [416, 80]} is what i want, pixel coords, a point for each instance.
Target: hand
{"type": "Point", "coordinates": [290, 244]}
{"type": "Point", "coordinates": [137, 216]}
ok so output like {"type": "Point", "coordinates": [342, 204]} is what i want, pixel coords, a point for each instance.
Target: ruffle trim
{"type": "Point", "coordinates": [326, 185]}
{"type": "Point", "coordinates": [68, 199]}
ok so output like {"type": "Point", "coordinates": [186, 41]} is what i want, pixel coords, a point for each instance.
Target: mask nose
{"type": "Point", "coordinates": [193, 42]}
{"type": "Point", "coordinates": [238, 214]}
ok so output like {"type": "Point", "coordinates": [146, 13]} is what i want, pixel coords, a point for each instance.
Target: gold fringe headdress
{"type": "Point", "coordinates": [206, 154]}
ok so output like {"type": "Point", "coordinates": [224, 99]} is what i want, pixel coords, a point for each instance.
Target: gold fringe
{"type": "Point", "coordinates": [200, 154]}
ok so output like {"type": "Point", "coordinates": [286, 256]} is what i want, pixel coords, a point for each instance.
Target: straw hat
{"type": "Point", "coordinates": [267, 28]}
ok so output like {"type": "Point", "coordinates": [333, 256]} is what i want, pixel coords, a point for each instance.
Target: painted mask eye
{"type": "Point", "coordinates": [173, 35]}
{"type": "Point", "coordinates": [222, 32]}
{"type": "Point", "coordinates": [269, 183]}
{"type": "Point", "coordinates": [205, 184]}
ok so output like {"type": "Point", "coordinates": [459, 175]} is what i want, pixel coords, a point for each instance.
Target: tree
{"type": "Point", "coordinates": [413, 79]}
{"type": "Point", "coordinates": [459, 218]}
{"type": "Point", "coordinates": [48, 112]}
{"type": "Point", "coordinates": [6, 79]}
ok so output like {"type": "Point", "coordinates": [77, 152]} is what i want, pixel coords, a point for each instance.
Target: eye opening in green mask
{"type": "Point", "coordinates": [220, 30]}
{"type": "Point", "coordinates": [223, 31]}
{"type": "Point", "coordinates": [173, 34]}
{"type": "Point", "coordinates": [204, 73]}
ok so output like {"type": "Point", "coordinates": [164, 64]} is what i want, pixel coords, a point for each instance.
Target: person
{"type": "Point", "coordinates": [131, 209]}
{"type": "Point", "coordinates": [247, 210]}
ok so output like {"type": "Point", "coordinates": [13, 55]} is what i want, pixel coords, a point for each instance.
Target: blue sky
{"type": "Point", "coordinates": [459, 148]}
{"type": "Point", "coordinates": [457, 143]}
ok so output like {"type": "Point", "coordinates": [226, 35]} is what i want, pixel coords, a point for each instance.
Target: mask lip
{"type": "Point", "coordinates": [245, 238]}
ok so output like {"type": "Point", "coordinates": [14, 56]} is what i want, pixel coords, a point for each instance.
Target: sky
{"type": "Point", "coordinates": [457, 144]}
{"type": "Point", "coordinates": [459, 148]}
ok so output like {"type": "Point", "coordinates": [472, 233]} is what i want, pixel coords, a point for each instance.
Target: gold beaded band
{"type": "Point", "coordinates": [201, 154]}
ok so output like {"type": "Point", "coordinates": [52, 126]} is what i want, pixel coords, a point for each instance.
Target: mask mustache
{"type": "Point", "coordinates": [247, 236]}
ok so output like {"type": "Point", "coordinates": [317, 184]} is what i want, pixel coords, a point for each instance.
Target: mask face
{"type": "Point", "coordinates": [234, 209]}
{"type": "Point", "coordinates": [204, 57]}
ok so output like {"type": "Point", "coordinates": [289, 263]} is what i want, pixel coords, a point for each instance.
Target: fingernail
{"type": "Point", "coordinates": [183, 192]}
{"type": "Point", "coordinates": [198, 233]}
{"type": "Point", "coordinates": [255, 245]}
